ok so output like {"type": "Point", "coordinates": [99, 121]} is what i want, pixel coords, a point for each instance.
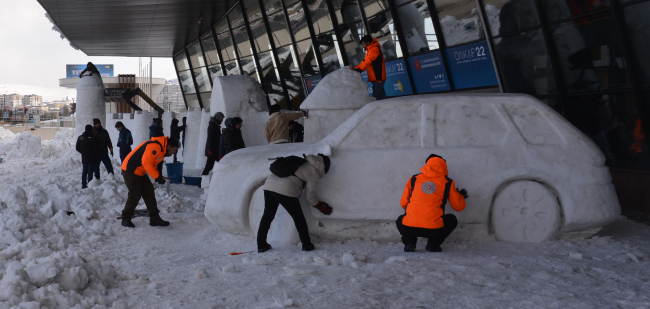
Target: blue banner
{"type": "Point", "coordinates": [429, 73]}
{"type": "Point", "coordinates": [397, 80]}
{"type": "Point", "coordinates": [311, 82]}
{"type": "Point", "coordinates": [471, 66]}
{"type": "Point", "coordinates": [73, 70]}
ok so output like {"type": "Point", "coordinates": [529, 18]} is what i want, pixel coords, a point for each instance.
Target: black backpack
{"type": "Point", "coordinates": [286, 166]}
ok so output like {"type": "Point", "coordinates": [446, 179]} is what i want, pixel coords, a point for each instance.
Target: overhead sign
{"type": "Point", "coordinates": [429, 73]}
{"type": "Point", "coordinates": [471, 66]}
{"type": "Point", "coordinates": [397, 80]}
{"type": "Point", "coordinates": [73, 70]}
{"type": "Point", "coordinates": [311, 82]}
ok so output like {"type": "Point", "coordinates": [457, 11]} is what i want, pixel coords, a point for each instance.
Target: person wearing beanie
{"type": "Point", "coordinates": [124, 140]}
{"type": "Point", "coordinates": [88, 147]}
{"type": "Point", "coordinates": [232, 138]}
{"type": "Point", "coordinates": [277, 127]}
{"type": "Point", "coordinates": [105, 144]}
{"type": "Point", "coordinates": [175, 131]}
{"type": "Point", "coordinates": [424, 200]}
{"type": "Point", "coordinates": [156, 129]}
{"type": "Point", "coordinates": [213, 141]}
{"type": "Point", "coordinates": [285, 191]}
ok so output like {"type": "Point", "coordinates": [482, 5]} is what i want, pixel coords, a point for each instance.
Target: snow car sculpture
{"type": "Point", "coordinates": [530, 174]}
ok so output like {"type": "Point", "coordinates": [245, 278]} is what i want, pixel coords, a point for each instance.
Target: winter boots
{"type": "Point", "coordinates": [156, 220]}
{"type": "Point", "coordinates": [433, 249]}
{"type": "Point", "coordinates": [127, 222]}
{"type": "Point", "coordinates": [308, 247]}
{"type": "Point", "coordinates": [409, 244]}
{"type": "Point", "coordinates": [264, 248]}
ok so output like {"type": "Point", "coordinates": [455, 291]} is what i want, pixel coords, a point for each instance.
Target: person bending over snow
{"type": "Point", "coordinates": [424, 200]}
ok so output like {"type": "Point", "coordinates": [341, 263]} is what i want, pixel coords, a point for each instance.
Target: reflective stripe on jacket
{"type": "Point", "coordinates": [426, 204]}
{"type": "Point", "coordinates": [145, 158]}
{"type": "Point", "coordinates": [374, 62]}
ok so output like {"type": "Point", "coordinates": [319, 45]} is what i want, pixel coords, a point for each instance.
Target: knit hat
{"type": "Point", "coordinates": [89, 128]}
{"type": "Point", "coordinates": [96, 121]}
{"type": "Point", "coordinates": [326, 161]}
{"type": "Point", "coordinates": [235, 121]}
{"type": "Point", "coordinates": [219, 116]}
{"type": "Point", "coordinates": [157, 120]}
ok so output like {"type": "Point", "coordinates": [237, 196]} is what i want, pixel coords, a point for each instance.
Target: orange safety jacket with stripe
{"type": "Point", "coordinates": [145, 158]}
{"type": "Point", "coordinates": [374, 62]}
{"type": "Point", "coordinates": [426, 194]}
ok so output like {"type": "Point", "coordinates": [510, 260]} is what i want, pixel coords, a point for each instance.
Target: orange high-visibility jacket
{"type": "Point", "coordinates": [374, 62]}
{"type": "Point", "coordinates": [426, 205]}
{"type": "Point", "coordinates": [146, 157]}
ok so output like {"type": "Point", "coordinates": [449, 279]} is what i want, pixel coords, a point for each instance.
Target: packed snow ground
{"type": "Point", "coordinates": [87, 260]}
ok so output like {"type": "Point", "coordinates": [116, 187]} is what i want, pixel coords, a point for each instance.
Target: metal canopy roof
{"type": "Point", "coordinates": [134, 28]}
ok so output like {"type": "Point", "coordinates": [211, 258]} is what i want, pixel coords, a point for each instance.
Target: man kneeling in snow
{"type": "Point", "coordinates": [144, 160]}
{"type": "Point", "coordinates": [285, 191]}
{"type": "Point", "coordinates": [424, 200]}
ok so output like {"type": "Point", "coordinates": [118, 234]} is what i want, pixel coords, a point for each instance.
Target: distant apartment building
{"type": "Point", "coordinates": [171, 97]}
{"type": "Point", "coordinates": [32, 100]}
{"type": "Point", "coordinates": [10, 101]}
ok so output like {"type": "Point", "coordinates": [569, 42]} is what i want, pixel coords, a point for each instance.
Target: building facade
{"type": "Point", "coordinates": [13, 100]}
{"type": "Point", "coordinates": [171, 97]}
{"type": "Point", "coordinates": [32, 100]}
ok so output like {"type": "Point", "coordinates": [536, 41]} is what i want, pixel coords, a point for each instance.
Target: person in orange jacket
{"type": "Point", "coordinates": [424, 200]}
{"type": "Point", "coordinates": [375, 65]}
{"type": "Point", "coordinates": [145, 159]}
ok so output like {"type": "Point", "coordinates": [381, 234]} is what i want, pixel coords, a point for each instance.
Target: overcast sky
{"type": "Point", "coordinates": [33, 56]}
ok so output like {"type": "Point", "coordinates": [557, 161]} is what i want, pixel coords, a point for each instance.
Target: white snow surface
{"type": "Point", "coordinates": [6, 134]}
{"type": "Point", "coordinates": [87, 260]}
{"type": "Point", "coordinates": [341, 89]}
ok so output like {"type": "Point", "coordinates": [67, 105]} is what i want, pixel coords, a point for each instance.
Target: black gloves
{"type": "Point", "coordinates": [324, 208]}
{"type": "Point", "coordinates": [463, 192]}
{"type": "Point", "coordinates": [111, 152]}
{"type": "Point", "coordinates": [160, 180]}
{"type": "Point", "coordinates": [357, 69]}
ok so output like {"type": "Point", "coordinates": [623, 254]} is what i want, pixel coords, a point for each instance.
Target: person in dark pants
{"type": "Point", "coordinates": [124, 140]}
{"type": "Point", "coordinates": [104, 141]}
{"type": "Point", "coordinates": [232, 138]}
{"type": "Point", "coordinates": [88, 147]}
{"type": "Point", "coordinates": [145, 159]}
{"type": "Point", "coordinates": [213, 141]}
{"type": "Point", "coordinates": [424, 200]}
{"type": "Point", "coordinates": [285, 191]}
{"type": "Point", "coordinates": [156, 129]}
{"type": "Point", "coordinates": [375, 65]}
{"type": "Point", "coordinates": [175, 131]}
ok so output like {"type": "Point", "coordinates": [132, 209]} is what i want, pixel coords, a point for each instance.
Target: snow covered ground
{"type": "Point", "coordinates": [87, 260]}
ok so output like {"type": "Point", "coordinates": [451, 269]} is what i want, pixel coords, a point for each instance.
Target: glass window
{"type": "Point", "coordinates": [253, 10]}
{"type": "Point", "coordinates": [373, 7]}
{"type": "Point", "coordinates": [383, 29]}
{"type": "Point", "coordinates": [352, 43]}
{"type": "Point", "coordinates": [196, 55]}
{"type": "Point", "coordinates": [289, 3]}
{"type": "Point", "coordinates": [243, 44]}
{"type": "Point", "coordinates": [613, 123]}
{"type": "Point", "coordinates": [249, 68]}
{"type": "Point", "coordinates": [591, 54]}
{"type": "Point", "coordinates": [558, 9]}
{"type": "Point", "coordinates": [347, 11]}
{"type": "Point", "coordinates": [232, 68]}
{"type": "Point", "coordinates": [636, 18]}
{"type": "Point", "coordinates": [291, 74]}
{"type": "Point", "coordinates": [320, 17]}
{"type": "Point", "coordinates": [258, 30]}
{"type": "Point", "coordinates": [225, 44]}
{"type": "Point", "coordinates": [205, 99]}
{"type": "Point", "coordinates": [418, 28]}
{"type": "Point", "coordinates": [210, 49]}
{"type": "Point", "coordinates": [525, 66]}
{"type": "Point", "coordinates": [272, 6]}
{"type": "Point", "coordinates": [202, 79]}
{"type": "Point", "coordinates": [235, 17]}
{"type": "Point", "coordinates": [509, 16]}
{"type": "Point", "coordinates": [469, 124]}
{"type": "Point", "coordinates": [280, 34]}
{"type": "Point", "coordinates": [270, 80]}
{"type": "Point", "coordinates": [329, 51]}
{"type": "Point", "coordinates": [221, 27]}
{"type": "Point", "coordinates": [307, 58]}
{"type": "Point", "coordinates": [192, 100]}
{"type": "Point", "coordinates": [460, 21]}
{"type": "Point", "coordinates": [215, 71]}
{"type": "Point", "coordinates": [298, 21]}
{"type": "Point", "coordinates": [186, 82]}
{"type": "Point", "coordinates": [181, 61]}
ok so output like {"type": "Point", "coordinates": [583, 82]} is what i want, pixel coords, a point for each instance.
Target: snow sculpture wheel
{"type": "Point", "coordinates": [525, 211]}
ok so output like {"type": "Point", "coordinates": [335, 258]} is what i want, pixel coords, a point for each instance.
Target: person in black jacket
{"type": "Point", "coordinates": [104, 142]}
{"type": "Point", "coordinates": [124, 140]}
{"type": "Point", "coordinates": [88, 147]}
{"type": "Point", "coordinates": [296, 132]}
{"type": "Point", "coordinates": [232, 138]}
{"type": "Point", "coordinates": [175, 131]}
{"type": "Point", "coordinates": [213, 141]}
{"type": "Point", "coordinates": [156, 129]}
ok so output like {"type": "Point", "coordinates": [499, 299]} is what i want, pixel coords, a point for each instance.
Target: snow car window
{"type": "Point", "coordinates": [389, 126]}
{"type": "Point", "coordinates": [469, 124]}
{"type": "Point", "coordinates": [533, 124]}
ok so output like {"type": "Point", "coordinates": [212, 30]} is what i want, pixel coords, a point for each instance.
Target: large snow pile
{"type": "Point", "coordinates": [6, 134]}
{"type": "Point", "coordinates": [24, 145]}
{"type": "Point", "coordinates": [341, 89]}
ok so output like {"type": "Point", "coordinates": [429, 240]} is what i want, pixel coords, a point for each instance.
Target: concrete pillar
{"type": "Point", "coordinates": [203, 137]}
{"type": "Point", "coordinates": [90, 102]}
